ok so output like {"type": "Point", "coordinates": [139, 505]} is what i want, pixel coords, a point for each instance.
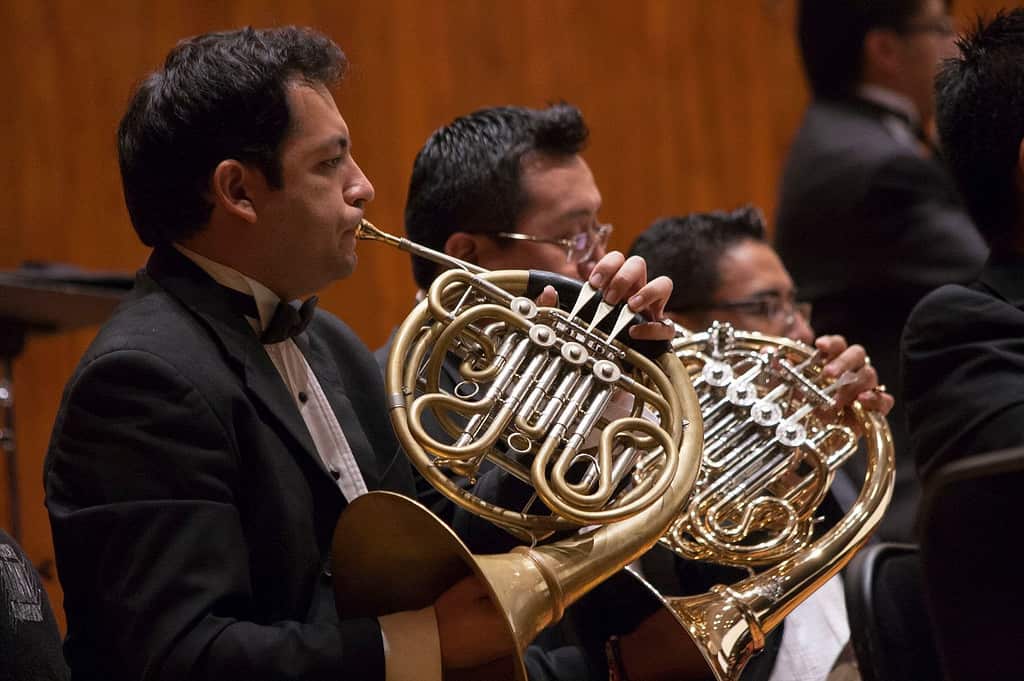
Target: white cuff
{"type": "Point", "coordinates": [412, 647]}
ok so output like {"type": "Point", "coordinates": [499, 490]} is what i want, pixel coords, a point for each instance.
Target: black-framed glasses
{"type": "Point", "coordinates": [578, 248]}
{"type": "Point", "coordinates": [770, 305]}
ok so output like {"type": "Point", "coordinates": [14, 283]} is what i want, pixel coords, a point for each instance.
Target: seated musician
{"type": "Point", "coordinates": [724, 270]}
{"type": "Point", "coordinates": [963, 362]}
{"type": "Point", "coordinates": [963, 356]}
{"type": "Point", "coordinates": [215, 429]}
{"type": "Point", "coordinates": [507, 187]}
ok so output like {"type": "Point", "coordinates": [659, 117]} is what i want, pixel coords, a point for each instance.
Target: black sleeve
{"type": "Point", "coordinates": [963, 366]}
{"type": "Point", "coordinates": [141, 482]}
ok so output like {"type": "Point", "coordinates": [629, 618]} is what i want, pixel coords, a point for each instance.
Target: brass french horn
{"type": "Point", "coordinates": [773, 439]}
{"type": "Point", "coordinates": [552, 399]}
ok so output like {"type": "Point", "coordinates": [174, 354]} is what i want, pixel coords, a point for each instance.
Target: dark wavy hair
{"type": "Point", "coordinates": [467, 177]}
{"type": "Point", "coordinates": [980, 115]}
{"type": "Point", "coordinates": [218, 96]}
{"type": "Point", "coordinates": [687, 249]}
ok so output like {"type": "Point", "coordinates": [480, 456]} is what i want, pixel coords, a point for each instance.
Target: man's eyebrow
{"type": "Point", "coordinates": [768, 293]}
{"type": "Point", "coordinates": [340, 143]}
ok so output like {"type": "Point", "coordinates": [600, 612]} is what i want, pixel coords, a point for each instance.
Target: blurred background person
{"type": "Point", "coordinates": [868, 220]}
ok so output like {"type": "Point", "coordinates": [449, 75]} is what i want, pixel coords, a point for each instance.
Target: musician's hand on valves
{"type": "Point", "coordinates": [852, 368]}
{"type": "Point", "coordinates": [470, 629]}
{"type": "Point", "coordinates": [622, 278]}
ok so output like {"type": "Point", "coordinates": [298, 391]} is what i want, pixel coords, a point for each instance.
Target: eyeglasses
{"type": "Point", "coordinates": [578, 248]}
{"type": "Point", "coordinates": [939, 26]}
{"type": "Point", "coordinates": [771, 306]}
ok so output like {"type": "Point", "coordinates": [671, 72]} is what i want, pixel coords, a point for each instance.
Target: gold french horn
{"type": "Point", "coordinates": [546, 396]}
{"type": "Point", "coordinates": [773, 439]}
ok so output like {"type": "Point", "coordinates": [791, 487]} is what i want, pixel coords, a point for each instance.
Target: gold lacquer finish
{"type": "Point", "coordinates": [594, 427]}
{"type": "Point", "coordinates": [773, 440]}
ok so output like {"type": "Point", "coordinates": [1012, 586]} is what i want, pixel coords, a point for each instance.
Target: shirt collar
{"type": "Point", "coordinates": [266, 300]}
{"type": "Point", "coordinates": [890, 99]}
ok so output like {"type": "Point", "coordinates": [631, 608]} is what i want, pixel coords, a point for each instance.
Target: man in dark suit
{"type": "Point", "coordinates": [508, 187]}
{"type": "Point", "coordinates": [963, 363]}
{"type": "Point", "coordinates": [963, 348]}
{"type": "Point", "coordinates": [868, 221]}
{"type": "Point", "coordinates": [214, 431]}
{"type": "Point", "coordinates": [209, 439]}
{"type": "Point", "coordinates": [724, 270]}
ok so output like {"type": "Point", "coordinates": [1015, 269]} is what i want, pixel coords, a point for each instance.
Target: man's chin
{"type": "Point", "coordinates": [347, 265]}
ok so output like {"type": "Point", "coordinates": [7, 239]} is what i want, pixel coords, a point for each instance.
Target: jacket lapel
{"type": "Point", "coordinates": [206, 299]}
{"type": "Point", "coordinates": [341, 398]}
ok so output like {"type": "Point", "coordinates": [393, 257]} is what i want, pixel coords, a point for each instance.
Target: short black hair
{"type": "Point", "coordinates": [218, 96]}
{"type": "Point", "coordinates": [980, 116]}
{"type": "Point", "coordinates": [831, 35]}
{"type": "Point", "coordinates": [467, 177]}
{"type": "Point", "coordinates": [687, 249]}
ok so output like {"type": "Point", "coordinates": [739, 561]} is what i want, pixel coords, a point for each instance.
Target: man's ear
{"type": "Point", "coordinates": [1020, 161]}
{"type": "Point", "coordinates": [232, 189]}
{"type": "Point", "coordinates": [881, 52]}
{"type": "Point", "coordinates": [463, 246]}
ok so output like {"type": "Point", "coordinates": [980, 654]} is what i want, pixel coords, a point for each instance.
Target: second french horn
{"type": "Point", "coordinates": [774, 438]}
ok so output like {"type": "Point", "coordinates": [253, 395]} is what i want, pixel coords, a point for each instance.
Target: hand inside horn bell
{"type": "Point", "coordinates": [471, 631]}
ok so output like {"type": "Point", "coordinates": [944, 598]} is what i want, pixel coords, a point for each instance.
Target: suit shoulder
{"type": "Point", "coordinates": [830, 166]}
{"type": "Point", "coordinates": [157, 326]}
{"type": "Point", "coordinates": [831, 130]}
{"type": "Point", "coordinates": [952, 311]}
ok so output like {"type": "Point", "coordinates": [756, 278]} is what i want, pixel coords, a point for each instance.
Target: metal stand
{"type": "Point", "coordinates": [43, 300]}
{"type": "Point", "coordinates": [9, 449]}
{"type": "Point", "coordinates": [12, 341]}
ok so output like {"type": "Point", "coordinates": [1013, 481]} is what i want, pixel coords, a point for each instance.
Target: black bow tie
{"type": "Point", "coordinates": [289, 320]}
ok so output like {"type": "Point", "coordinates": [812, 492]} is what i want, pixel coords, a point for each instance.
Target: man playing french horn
{"type": "Point", "coordinates": [213, 432]}
{"type": "Point", "coordinates": [507, 188]}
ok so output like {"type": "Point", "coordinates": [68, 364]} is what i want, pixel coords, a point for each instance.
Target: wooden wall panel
{"type": "Point", "coordinates": [691, 104]}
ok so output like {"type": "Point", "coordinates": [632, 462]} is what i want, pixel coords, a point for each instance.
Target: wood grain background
{"type": "Point", "coordinates": [691, 104]}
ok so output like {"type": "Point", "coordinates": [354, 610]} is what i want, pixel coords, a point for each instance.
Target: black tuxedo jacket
{"type": "Point", "coordinates": [963, 362]}
{"type": "Point", "coordinates": [191, 515]}
{"type": "Point", "coordinates": [866, 225]}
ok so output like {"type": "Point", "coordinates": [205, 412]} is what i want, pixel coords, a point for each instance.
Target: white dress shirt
{"type": "Point", "coordinates": [813, 636]}
{"type": "Point", "coordinates": [412, 649]}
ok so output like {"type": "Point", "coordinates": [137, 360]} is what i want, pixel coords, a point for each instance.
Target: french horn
{"type": "Point", "coordinates": [609, 439]}
{"type": "Point", "coordinates": [773, 438]}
